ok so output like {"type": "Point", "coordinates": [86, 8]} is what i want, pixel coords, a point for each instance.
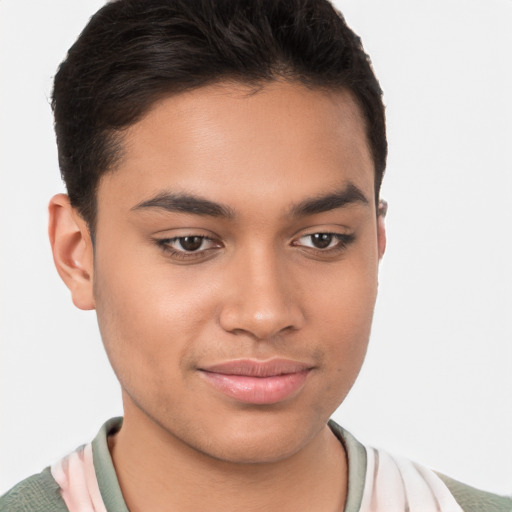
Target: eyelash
{"type": "Point", "coordinates": [164, 244]}
{"type": "Point", "coordinates": [344, 240]}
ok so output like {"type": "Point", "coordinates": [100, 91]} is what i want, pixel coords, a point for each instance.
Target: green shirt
{"type": "Point", "coordinates": [42, 494]}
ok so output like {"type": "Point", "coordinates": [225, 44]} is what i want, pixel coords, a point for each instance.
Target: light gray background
{"type": "Point", "coordinates": [437, 384]}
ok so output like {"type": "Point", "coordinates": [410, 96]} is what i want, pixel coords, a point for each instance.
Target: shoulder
{"type": "Point", "coordinates": [407, 485]}
{"type": "Point", "coordinates": [378, 480]}
{"type": "Point", "coordinates": [411, 486]}
{"type": "Point", "coordinates": [43, 492]}
{"type": "Point", "coordinates": [36, 493]}
{"type": "Point", "coordinates": [475, 500]}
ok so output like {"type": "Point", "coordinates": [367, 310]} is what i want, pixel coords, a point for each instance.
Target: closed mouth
{"type": "Point", "coordinates": [257, 382]}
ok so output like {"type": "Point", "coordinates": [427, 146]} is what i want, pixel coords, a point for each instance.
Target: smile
{"type": "Point", "coordinates": [256, 382]}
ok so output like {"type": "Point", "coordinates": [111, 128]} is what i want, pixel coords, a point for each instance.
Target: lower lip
{"type": "Point", "coordinates": [257, 390]}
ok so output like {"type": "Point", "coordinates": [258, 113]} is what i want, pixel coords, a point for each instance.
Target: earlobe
{"type": "Point", "coordinates": [72, 250]}
{"type": "Point", "coordinates": [381, 228]}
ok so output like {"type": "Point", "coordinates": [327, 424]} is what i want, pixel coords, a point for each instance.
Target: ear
{"type": "Point", "coordinates": [72, 250]}
{"type": "Point", "coordinates": [381, 228]}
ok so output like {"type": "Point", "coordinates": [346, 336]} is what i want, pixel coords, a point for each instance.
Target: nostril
{"type": "Point", "coordinates": [261, 324]}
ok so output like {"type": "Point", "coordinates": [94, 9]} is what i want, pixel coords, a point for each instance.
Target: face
{"type": "Point", "coordinates": [235, 265]}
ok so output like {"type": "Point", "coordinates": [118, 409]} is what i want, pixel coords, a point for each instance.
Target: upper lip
{"type": "Point", "coordinates": [255, 368]}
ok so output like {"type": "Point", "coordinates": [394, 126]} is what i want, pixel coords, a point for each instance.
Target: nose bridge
{"type": "Point", "coordinates": [261, 300]}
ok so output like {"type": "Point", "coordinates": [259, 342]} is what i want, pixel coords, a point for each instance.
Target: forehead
{"type": "Point", "coordinates": [228, 142]}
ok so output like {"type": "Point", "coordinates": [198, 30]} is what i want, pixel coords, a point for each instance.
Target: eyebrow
{"type": "Point", "coordinates": [186, 203]}
{"type": "Point", "coordinates": [192, 204]}
{"type": "Point", "coordinates": [344, 197]}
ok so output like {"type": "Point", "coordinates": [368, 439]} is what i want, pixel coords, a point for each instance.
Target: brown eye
{"type": "Point", "coordinates": [192, 247]}
{"type": "Point", "coordinates": [325, 243]}
{"type": "Point", "coordinates": [321, 240]}
{"type": "Point", "coordinates": [191, 243]}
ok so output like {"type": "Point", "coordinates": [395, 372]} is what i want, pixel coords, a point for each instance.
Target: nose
{"type": "Point", "coordinates": [262, 301]}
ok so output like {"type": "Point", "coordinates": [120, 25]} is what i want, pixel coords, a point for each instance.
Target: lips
{"type": "Point", "coordinates": [257, 382]}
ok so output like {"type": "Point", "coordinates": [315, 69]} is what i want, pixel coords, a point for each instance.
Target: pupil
{"type": "Point", "coordinates": [322, 240]}
{"type": "Point", "coordinates": [191, 243]}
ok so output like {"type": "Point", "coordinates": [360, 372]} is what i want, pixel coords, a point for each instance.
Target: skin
{"type": "Point", "coordinates": [256, 289]}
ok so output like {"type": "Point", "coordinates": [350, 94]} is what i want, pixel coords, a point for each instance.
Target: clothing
{"type": "Point", "coordinates": [377, 482]}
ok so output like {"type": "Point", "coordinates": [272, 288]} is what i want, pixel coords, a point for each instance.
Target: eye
{"type": "Point", "coordinates": [188, 247]}
{"type": "Point", "coordinates": [190, 243]}
{"type": "Point", "coordinates": [324, 243]}
{"type": "Point", "coordinates": [319, 240]}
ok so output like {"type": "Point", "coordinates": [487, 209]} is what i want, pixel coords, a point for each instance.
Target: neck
{"type": "Point", "coordinates": [157, 472]}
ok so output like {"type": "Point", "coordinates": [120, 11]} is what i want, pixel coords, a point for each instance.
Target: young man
{"type": "Point", "coordinates": [223, 161]}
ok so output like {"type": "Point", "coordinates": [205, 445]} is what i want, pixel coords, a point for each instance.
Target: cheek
{"type": "Point", "coordinates": [345, 295]}
{"type": "Point", "coordinates": [145, 316]}
{"type": "Point", "coordinates": [343, 314]}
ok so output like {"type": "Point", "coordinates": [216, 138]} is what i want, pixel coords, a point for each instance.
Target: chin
{"type": "Point", "coordinates": [264, 451]}
{"type": "Point", "coordinates": [256, 440]}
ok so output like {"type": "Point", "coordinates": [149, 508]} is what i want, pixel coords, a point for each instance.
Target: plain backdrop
{"type": "Point", "coordinates": [437, 383]}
